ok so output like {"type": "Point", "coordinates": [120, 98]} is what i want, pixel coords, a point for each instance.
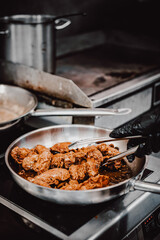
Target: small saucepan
{"type": "Point", "coordinates": [17, 103]}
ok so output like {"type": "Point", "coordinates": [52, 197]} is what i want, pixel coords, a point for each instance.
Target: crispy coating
{"type": "Point", "coordinates": [96, 154]}
{"type": "Point", "coordinates": [37, 162]}
{"type": "Point", "coordinates": [60, 160]}
{"type": "Point", "coordinates": [72, 185]}
{"type": "Point", "coordinates": [19, 154]}
{"type": "Point", "coordinates": [29, 161]}
{"type": "Point", "coordinates": [57, 160]}
{"type": "Point", "coordinates": [40, 149]}
{"type": "Point", "coordinates": [52, 176]}
{"type": "Point", "coordinates": [60, 147]}
{"type": "Point", "coordinates": [92, 167]}
{"type": "Point", "coordinates": [98, 181]}
{"type": "Point", "coordinates": [61, 168]}
{"type": "Point", "coordinates": [107, 150]}
{"type": "Point", "coordinates": [78, 172]}
{"type": "Point", "coordinates": [80, 155]}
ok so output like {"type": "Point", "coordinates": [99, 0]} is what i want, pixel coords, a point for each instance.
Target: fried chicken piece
{"type": "Point", "coordinates": [96, 154]}
{"type": "Point", "coordinates": [80, 155]}
{"type": "Point", "coordinates": [59, 160]}
{"type": "Point", "coordinates": [29, 161]}
{"type": "Point", "coordinates": [98, 181]}
{"type": "Point", "coordinates": [43, 162]}
{"type": "Point", "coordinates": [40, 182]}
{"type": "Point", "coordinates": [52, 176]}
{"type": "Point", "coordinates": [37, 162]}
{"type": "Point", "coordinates": [40, 148]}
{"type": "Point", "coordinates": [108, 150]}
{"type": "Point", "coordinates": [72, 185]}
{"type": "Point", "coordinates": [94, 159]}
{"type": "Point", "coordinates": [26, 174]}
{"type": "Point", "coordinates": [18, 154]}
{"type": "Point", "coordinates": [92, 167]}
{"type": "Point", "coordinates": [88, 149]}
{"type": "Point", "coordinates": [60, 147]}
{"type": "Point", "coordinates": [69, 159]}
{"type": "Point", "coordinates": [78, 172]}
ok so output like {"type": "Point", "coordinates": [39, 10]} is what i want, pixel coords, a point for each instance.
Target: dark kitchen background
{"type": "Point", "coordinates": [133, 23]}
{"type": "Point", "coordinates": [113, 55]}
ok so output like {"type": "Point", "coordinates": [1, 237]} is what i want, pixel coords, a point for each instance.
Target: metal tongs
{"type": "Point", "coordinates": [91, 141]}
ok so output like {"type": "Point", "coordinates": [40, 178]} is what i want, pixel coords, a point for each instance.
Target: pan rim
{"type": "Point", "coordinates": [53, 189]}
{"type": "Point", "coordinates": [26, 113]}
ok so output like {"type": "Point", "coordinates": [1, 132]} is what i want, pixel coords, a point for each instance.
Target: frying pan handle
{"type": "Point", "coordinates": [80, 112]}
{"type": "Point", "coordinates": [146, 186]}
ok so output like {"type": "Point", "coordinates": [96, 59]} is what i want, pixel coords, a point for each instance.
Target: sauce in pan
{"type": "Point", "coordinates": [6, 115]}
{"type": "Point", "coordinates": [118, 176]}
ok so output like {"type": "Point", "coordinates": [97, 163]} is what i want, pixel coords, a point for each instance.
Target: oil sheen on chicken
{"type": "Point", "coordinates": [76, 169]}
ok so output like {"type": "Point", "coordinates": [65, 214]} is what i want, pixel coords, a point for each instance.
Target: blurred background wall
{"type": "Point", "coordinates": [129, 22]}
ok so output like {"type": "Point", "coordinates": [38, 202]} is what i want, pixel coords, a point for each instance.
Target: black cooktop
{"type": "Point", "coordinates": [66, 219]}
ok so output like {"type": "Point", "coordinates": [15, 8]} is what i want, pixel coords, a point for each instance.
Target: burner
{"type": "Point", "coordinates": [61, 217]}
{"type": "Point", "coordinates": [39, 215]}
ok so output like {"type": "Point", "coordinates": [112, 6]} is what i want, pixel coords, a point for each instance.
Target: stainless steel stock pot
{"type": "Point", "coordinates": [31, 39]}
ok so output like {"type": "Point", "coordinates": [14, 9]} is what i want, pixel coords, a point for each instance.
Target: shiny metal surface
{"type": "Point", "coordinates": [121, 216]}
{"type": "Point", "coordinates": [22, 103]}
{"type": "Point", "coordinates": [81, 112]}
{"type": "Point", "coordinates": [147, 186]}
{"type": "Point", "coordinates": [88, 141]}
{"type": "Point", "coordinates": [121, 155]}
{"type": "Point", "coordinates": [43, 82]}
{"type": "Point", "coordinates": [51, 135]}
{"type": "Point", "coordinates": [128, 87]}
{"type": "Point", "coordinates": [16, 100]}
{"type": "Point", "coordinates": [31, 40]}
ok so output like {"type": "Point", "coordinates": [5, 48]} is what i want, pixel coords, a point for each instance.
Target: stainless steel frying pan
{"type": "Point", "coordinates": [17, 103]}
{"type": "Point", "coordinates": [51, 135]}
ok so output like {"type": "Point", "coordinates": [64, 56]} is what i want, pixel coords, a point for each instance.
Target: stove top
{"type": "Point", "coordinates": [37, 218]}
{"type": "Point", "coordinates": [100, 68]}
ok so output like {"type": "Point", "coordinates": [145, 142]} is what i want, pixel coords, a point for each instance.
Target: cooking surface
{"type": "Point", "coordinates": [104, 67]}
{"type": "Point", "coordinates": [30, 212]}
{"type": "Point", "coordinates": [91, 78]}
{"type": "Point", "coordinates": [57, 216]}
{"type": "Point", "coordinates": [93, 73]}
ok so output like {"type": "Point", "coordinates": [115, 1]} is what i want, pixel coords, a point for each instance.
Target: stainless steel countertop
{"type": "Point", "coordinates": [125, 88]}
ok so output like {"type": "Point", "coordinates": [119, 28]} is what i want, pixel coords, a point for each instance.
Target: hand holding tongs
{"type": "Point", "coordinates": [90, 141]}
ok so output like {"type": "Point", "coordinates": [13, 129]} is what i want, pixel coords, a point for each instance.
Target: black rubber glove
{"type": "Point", "coordinates": [148, 125]}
